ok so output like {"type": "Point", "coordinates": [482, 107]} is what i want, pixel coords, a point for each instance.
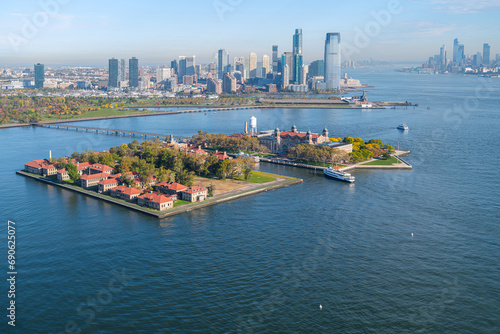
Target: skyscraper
{"type": "Point", "coordinates": [182, 68]}
{"type": "Point", "coordinates": [223, 61]}
{"type": "Point", "coordinates": [297, 55]}
{"type": "Point", "coordinates": [455, 51]}
{"type": "Point", "coordinates": [332, 61]}
{"type": "Point", "coordinates": [486, 54]}
{"type": "Point", "coordinates": [285, 77]}
{"type": "Point", "coordinates": [174, 66]}
{"type": "Point", "coordinates": [114, 73]}
{"type": "Point", "coordinates": [191, 65]}
{"type": "Point", "coordinates": [317, 68]}
{"type": "Point", "coordinates": [442, 58]}
{"type": "Point", "coordinates": [265, 65]}
{"type": "Point", "coordinates": [229, 83]}
{"type": "Point", "coordinates": [252, 68]}
{"type": "Point", "coordinates": [275, 59]}
{"type": "Point", "coordinates": [39, 75]}
{"type": "Point", "coordinates": [287, 59]}
{"type": "Point", "coordinates": [122, 71]}
{"type": "Point", "coordinates": [133, 72]}
{"type": "Point", "coordinates": [460, 54]}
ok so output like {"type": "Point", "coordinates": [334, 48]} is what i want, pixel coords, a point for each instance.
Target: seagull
{"type": "Point", "coordinates": [320, 307]}
{"type": "Point", "coordinates": [412, 234]}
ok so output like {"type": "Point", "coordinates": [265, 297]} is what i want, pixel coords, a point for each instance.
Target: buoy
{"type": "Point", "coordinates": [320, 307]}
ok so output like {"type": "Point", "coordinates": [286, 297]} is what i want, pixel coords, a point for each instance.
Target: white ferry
{"type": "Point", "coordinates": [339, 175]}
{"type": "Point", "coordinates": [403, 127]}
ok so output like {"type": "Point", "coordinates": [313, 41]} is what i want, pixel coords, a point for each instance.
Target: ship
{"type": "Point", "coordinates": [339, 175]}
{"type": "Point", "coordinates": [403, 127]}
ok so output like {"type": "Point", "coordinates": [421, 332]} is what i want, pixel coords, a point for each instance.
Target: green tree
{"type": "Point", "coordinates": [73, 172]}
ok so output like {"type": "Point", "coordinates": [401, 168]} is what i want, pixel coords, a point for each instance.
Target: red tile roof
{"type": "Point", "coordinates": [40, 163]}
{"type": "Point", "coordinates": [101, 167]}
{"type": "Point", "coordinates": [62, 171]}
{"type": "Point", "coordinates": [109, 181]}
{"type": "Point", "coordinates": [156, 197]}
{"type": "Point", "coordinates": [127, 190]}
{"type": "Point", "coordinates": [195, 189]}
{"type": "Point", "coordinates": [94, 176]}
{"type": "Point", "coordinates": [172, 186]}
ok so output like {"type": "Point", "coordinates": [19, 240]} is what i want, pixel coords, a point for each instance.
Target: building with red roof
{"type": "Point", "coordinates": [155, 201]}
{"type": "Point", "coordinates": [100, 168]}
{"type": "Point", "coordinates": [92, 180]}
{"type": "Point", "coordinates": [221, 156]}
{"type": "Point", "coordinates": [170, 188]}
{"type": "Point", "coordinates": [36, 166]}
{"type": "Point", "coordinates": [282, 141]}
{"type": "Point", "coordinates": [104, 186]}
{"type": "Point", "coordinates": [126, 193]}
{"type": "Point", "coordinates": [194, 194]}
{"type": "Point", "coordinates": [63, 175]}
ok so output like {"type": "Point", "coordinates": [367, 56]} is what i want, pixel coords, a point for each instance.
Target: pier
{"type": "Point", "coordinates": [114, 132]}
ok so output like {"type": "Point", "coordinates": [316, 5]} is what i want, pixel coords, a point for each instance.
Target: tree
{"type": "Point", "coordinates": [73, 172]}
{"type": "Point", "coordinates": [211, 189]}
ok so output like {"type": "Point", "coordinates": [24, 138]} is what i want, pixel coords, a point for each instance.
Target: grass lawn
{"type": "Point", "coordinates": [381, 162]}
{"type": "Point", "coordinates": [180, 202]}
{"type": "Point", "coordinates": [260, 177]}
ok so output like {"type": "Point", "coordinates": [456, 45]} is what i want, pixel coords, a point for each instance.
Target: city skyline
{"type": "Point", "coordinates": [88, 34]}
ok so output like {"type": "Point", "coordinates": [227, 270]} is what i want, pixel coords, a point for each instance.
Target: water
{"type": "Point", "coordinates": [265, 263]}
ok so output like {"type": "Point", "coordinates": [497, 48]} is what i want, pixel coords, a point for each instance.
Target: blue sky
{"type": "Point", "coordinates": [89, 32]}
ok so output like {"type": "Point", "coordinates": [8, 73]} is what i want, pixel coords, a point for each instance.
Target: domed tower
{"type": "Point", "coordinates": [325, 133]}
{"type": "Point", "coordinates": [294, 129]}
{"type": "Point", "coordinates": [309, 137]}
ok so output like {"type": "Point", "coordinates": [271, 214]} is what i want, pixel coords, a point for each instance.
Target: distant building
{"type": "Point", "coordinates": [133, 70]}
{"type": "Point", "coordinates": [114, 73]}
{"type": "Point", "coordinates": [285, 77]}
{"type": "Point", "coordinates": [195, 194]}
{"type": "Point", "coordinates": [332, 61]}
{"type": "Point", "coordinates": [297, 55]}
{"type": "Point", "coordinates": [271, 88]}
{"type": "Point", "coordinates": [317, 68]}
{"type": "Point", "coordinates": [275, 59]}
{"type": "Point", "coordinates": [214, 86]}
{"type": "Point", "coordinates": [212, 69]}
{"type": "Point", "coordinates": [163, 73]}
{"type": "Point", "coordinates": [486, 54]}
{"type": "Point", "coordinates": [155, 201]}
{"type": "Point", "coordinates": [265, 65]}
{"type": "Point", "coordinates": [252, 68]}
{"type": "Point", "coordinates": [188, 80]}
{"type": "Point", "coordinates": [223, 63]}
{"type": "Point", "coordinates": [282, 141]}
{"type": "Point", "coordinates": [287, 59]}
{"type": "Point", "coordinates": [122, 71]}
{"type": "Point", "coordinates": [39, 76]}
{"type": "Point", "coordinates": [174, 66]}
{"type": "Point", "coordinates": [229, 83]}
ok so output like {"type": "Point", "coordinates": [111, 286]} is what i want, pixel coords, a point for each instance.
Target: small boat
{"type": "Point", "coordinates": [339, 175]}
{"type": "Point", "coordinates": [403, 127]}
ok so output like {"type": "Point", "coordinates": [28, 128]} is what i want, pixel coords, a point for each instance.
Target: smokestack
{"type": "Point", "coordinates": [246, 127]}
{"type": "Point", "coordinates": [50, 156]}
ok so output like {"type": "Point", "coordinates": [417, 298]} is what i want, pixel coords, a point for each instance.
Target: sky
{"type": "Point", "coordinates": [88, 33]}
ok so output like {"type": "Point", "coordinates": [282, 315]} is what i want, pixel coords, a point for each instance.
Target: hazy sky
{"type": "Point", "coordinates": [90, 32]}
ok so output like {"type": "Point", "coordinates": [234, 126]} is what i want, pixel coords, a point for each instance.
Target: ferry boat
{"type": "Point", "coordinates": [403, 127]}
{"type": "Point", "coordinates": [339, 175]}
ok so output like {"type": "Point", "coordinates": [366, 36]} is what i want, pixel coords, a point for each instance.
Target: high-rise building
{"type": "Point", "coordinates": [229, 83]}
{"type": "Point", "coordinates": [265, 65]}
{"type": "Point", "coordinates": [460, 55]}
{"type": "Point", "coordinates": [332, 61]}
{"type": "Point", "coordinates": [182, 68]}
{"type": "Point", "coordinates": [285, 77]}
{"type": "Point", "coordinates": [276, 69]}
{"type": "Point", "coordinates": [191, 65]}
{"type": "Point", "coordinates": [214, 86]}
{"type": "Point", "coordinates": [287, 59]}
{"type": "Point", "coordinates": [114, 73]}
{"type": "Point", "coordinates": [486, 54]}
{"type": "Point", "coordinates": [223, 61]}
{"type": "Point", "coordinates": [442, 58]}
{"type": "Point", "coordinates": [252, 68]}
{"type": "Point", "coordinates": [39, 75]}
{"type": "Point", "coordinates": [212, 69]}
{"type": "Point", "coordinates": [163, 73]}
{"type": "Point", "coordinates": [174, 66]}
{"type": "Point", "coordinates": [477, 59]}
{"type": "Point", "coordinates": [297, 55]}
{"type": "Point", "coordinates": [317, 68]}
{"type": "Point", "coordinates": [455, 51]}
{"type": "Point", "coordinates": [133, 72]}
{"type": "Point", "coordinates": [122, 71]}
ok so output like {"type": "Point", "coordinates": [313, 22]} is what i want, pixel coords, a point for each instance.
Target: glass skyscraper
{"type": "Point", "coordinates": [223, 62]}
{"type": "Point", "coordinates": [297, 55]}
{"type": "Point", "coordinates": [332, 61]}
{"type": "Point", "coordinates": [275, 59]}
{"type": "Point", "coordinates": [114, 73]}
{"type": "Point", "coordinates": [39, 75]}
{"type": "Point", "coordinates": [486, 54]}
{"type": "Point", "coordinates": [133, 72]}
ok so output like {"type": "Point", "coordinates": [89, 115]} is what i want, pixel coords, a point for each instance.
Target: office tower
{"type": "Point", "coordinates": [486, 54]}
{"type": "Point", "coordinates": [455, 50]}
{"type": "Point", "coordinates": [223, 61]}
{"type": "Point", "coordinates": [181, 68]}
{"type": "Point", "coordinates": [461, 55]}
{"type": "Point", "coordinates": [285, 77]}
{"type": "Point", "coordinates": [212, 70]}
{"type": "Point", "coordinates": [114, 73]}
{"type": "Point", "coordinates": [214, 86]}
{"type": "Point", "coordinates": [332, 61]}
{"type": "Point", "coordinates": [287, 59]}
{"type": "Point", "coordinates": [133, 72]}
{"type": "Point", "coordinates": [39, 75]}
{"type": "Point", "coordinates": [191, 65]}
{"type": "Point", "coordinates": [297, 51]}
{"type": "Point", "coordinates": [275, 59]}
{"type": "Point", "coordinates": [229, 83]}
{"type": "Point", "coordinates": [174, 66]}
{"type": "Point", "coordinates": [122, 71]}
{"type": "Point", "coordinates": [252, 66]}
{"type": "Point", "coordinates": [304, 72]}
{"type": "Point", "coordinates": [442, 58]}
{"type": "Point", "coordinates": [265, 65]}
{"type": "Point", "coordinates": [163, 73]}
{"type": "Point", "coordinates": [259, 70]}
{"type": "Point", "coordinates": [477, 59]}
{"type": "Point", "coordinates": [317, 68]}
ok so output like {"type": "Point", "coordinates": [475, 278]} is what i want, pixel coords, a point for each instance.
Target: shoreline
{"type": "Point", "coordinates": [258, 188]}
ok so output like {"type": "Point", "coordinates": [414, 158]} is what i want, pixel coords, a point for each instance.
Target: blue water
{"type": "Point", "coordinates": [264, 264]}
